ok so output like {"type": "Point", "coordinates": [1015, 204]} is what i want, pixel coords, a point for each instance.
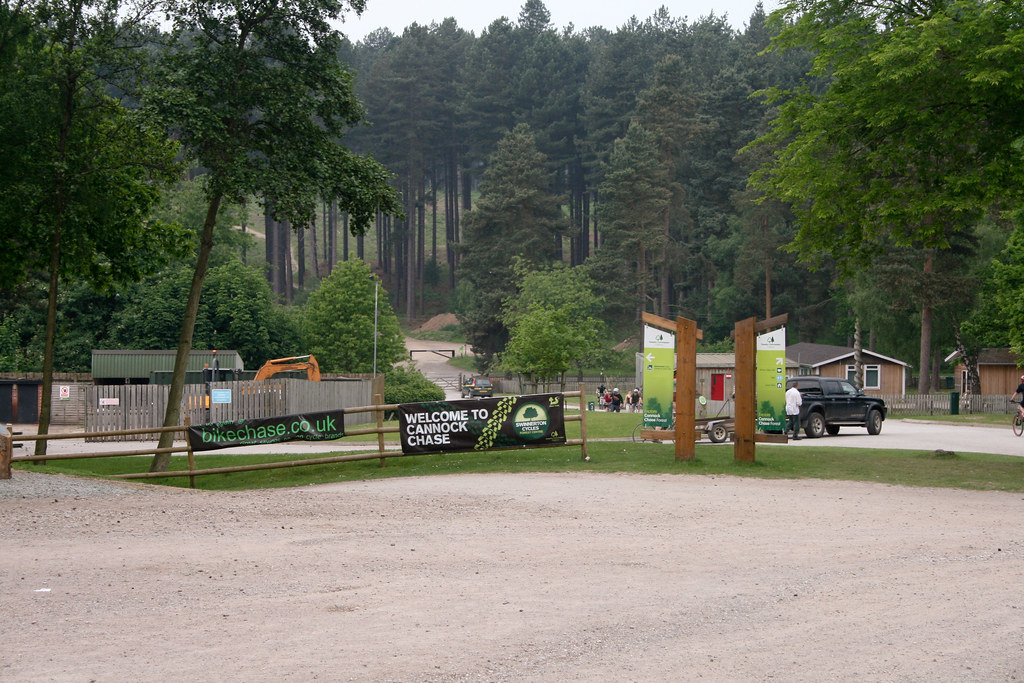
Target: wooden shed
{"type": "Point", "coordinates": [999, 371]}
{"type": "Point", "coordinates": [882, 375]}
{"type": "Point", "coordinates": [716, 373]}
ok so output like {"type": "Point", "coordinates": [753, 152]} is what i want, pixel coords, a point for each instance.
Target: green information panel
{"type": "Point", "coordinates": [659, 379]}
{"type": "Point", "coordinates": [771, 381]}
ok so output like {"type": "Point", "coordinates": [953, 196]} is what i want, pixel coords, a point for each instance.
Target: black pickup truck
{"type": "Point", "coordinates": [830, 403]}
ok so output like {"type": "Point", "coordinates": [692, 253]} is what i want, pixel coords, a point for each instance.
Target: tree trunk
{"type": "Point", "coordinates": [51, 336]}
{"type": "Point", "coordinates": [312, 251]}
{"type": "Point", "coordinates": [268, 250]}
{"type": "Point", "coordinates": [332, 237]}
{"type": "Point", "coordinates": [285, 239]}
{"type": "Point", "coordinates": [924, 364]}
{"type": "Point", "coordinates": [172, 417]}
{"type": "Point", "coordinates": [344, 235]}
{"type": "Point", "coordinates": [410, 264]}
{"type": "Point", "coordinates": [768, 274]}
{"type": "Point", "coordinates": [969, 358]}
{"type": "Point", "coordinates": [858, 356]}
{"type": "Point", "coordinates": [433, 212]}
{"type": "Point", "coordinates": [664, 281]}
{"type": "Point", "coordinates": [586, 222]}
{"type": "Point", "coordinates": [302, 257]}
{"type": "Point", "coordinates": [421, 234]}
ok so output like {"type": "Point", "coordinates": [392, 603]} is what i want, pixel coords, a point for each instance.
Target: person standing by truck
{"type": "Point", "coordinates": [793, 402]}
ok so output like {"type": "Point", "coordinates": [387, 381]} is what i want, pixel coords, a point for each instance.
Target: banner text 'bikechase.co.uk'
{"type": "Point", "coordinates": [480, 424]}
{"type": "Point", "coordinates": [323, 426]}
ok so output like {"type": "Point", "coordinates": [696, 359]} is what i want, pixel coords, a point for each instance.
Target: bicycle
{"type": "Point", "coordinates": [638, 438]}
{"type": "Point", "coordinates": [1018, 420]}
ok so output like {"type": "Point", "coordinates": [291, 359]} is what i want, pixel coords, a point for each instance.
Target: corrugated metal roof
{"type": "Point", "coordinates": [139, 364]}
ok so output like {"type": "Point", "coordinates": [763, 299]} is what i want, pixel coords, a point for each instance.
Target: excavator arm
{"type": "Point", "coordinates": [305, 364]}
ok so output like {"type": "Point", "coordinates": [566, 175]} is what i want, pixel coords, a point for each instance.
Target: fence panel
{"type": "Point", "coordinates": [316, 396]}
{"type": "Point", "coordinates": [141, 406]}
{"type": "Point", "coordinates": [940, 404]}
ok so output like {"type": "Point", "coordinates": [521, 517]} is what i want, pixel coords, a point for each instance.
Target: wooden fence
{"type": "Point", "coordinates": [371, 414]}
{"type": "Point", "coordinates": [941, 404]}
{"type": "Point", "coordinates": [120, 408]}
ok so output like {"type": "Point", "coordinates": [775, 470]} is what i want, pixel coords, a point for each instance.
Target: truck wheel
{"type": "Point", "coordinates": [832, 429]}
{"type": "Point", "coordinates": [718, 433]}
{"type": "Point", "coordinates": [815, 425]}
{"type": "Point", "coordinates": [874, 422]}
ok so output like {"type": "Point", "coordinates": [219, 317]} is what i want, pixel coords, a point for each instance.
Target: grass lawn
{"type": "Point", "coordinates": [978, 418]}
{"type": "Point", "coordinates": [610, 450]}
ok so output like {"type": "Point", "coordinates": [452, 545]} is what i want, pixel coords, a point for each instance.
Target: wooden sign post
{"type": "Point", "coordinates": [685, 430]}
{"type": "Point", "coordinates": [746, 434]}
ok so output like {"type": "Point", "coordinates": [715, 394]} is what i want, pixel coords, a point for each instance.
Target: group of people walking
{"type": "Point", "coordinates": [614, 401]}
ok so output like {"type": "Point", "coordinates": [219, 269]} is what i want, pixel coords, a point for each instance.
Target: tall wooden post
{"type": "Point", "coordinates": [746, 387]}
{"type": "Point", "coordinates": [746, 391]}
{"type": "Point", "coordinates": [684, 433]}
{"type": "Point", "coordinates": [686, 389]}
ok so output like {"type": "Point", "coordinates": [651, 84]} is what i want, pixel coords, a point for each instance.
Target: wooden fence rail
{"type": "Point", "coordinates": [377, 409]}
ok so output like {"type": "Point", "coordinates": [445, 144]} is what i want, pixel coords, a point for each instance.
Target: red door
{"type": "Point", "coordinates": [717, 387]}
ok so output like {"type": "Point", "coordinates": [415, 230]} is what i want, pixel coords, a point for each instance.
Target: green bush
{"type": "Point", "coordinates": [403, 385]}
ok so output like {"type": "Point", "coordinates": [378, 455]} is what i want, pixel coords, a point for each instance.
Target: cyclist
{"type": "Point", "coordinates": [1020, 393]}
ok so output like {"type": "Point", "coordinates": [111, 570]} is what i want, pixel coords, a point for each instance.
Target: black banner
{"type": "Point", "coordinates": [325, 426]}
{"type": "Point", "coordinates": [480, 424]}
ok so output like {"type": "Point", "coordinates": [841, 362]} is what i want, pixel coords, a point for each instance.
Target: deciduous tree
{"type": "Point", "coordinates": [338, 322]}
{"type": "Point", "coordinates": [916, 137]}
{"type": "Point", "coordinates": [79, 172]}
{"type": "Point", "coordinates": [259, 100]}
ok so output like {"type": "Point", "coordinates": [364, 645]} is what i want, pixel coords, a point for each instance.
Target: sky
{"type": "Point", "coordinates": [474, 15]}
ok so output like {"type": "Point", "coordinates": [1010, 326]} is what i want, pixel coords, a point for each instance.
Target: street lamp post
{"type": "Point", "coordinates": [376, 288]}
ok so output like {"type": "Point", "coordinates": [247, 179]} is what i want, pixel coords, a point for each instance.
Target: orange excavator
{"type": "Point", "coordinates": [305, 364]}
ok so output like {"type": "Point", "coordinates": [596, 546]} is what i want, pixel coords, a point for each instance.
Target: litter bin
{"type": "Point", "coordinates": [954, 403]}
{"type": "Point", "coordinates": [590, 406]}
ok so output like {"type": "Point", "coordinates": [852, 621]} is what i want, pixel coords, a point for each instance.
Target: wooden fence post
{"type": "Point", "coordinates": [583, 422]}
{"type": "Point", "coordinates": [6, 453]}
{"type": "Point", "coordinates": [191, 455]}
{"type": "Point", "coordinates": [378, 400]}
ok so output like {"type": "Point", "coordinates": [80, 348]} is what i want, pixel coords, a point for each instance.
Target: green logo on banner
{"type": "Point", "coordinates": [530, 421]}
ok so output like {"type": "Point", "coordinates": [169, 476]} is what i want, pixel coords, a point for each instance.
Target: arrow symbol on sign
{"type": "Point", "coordinates": [650, 358]}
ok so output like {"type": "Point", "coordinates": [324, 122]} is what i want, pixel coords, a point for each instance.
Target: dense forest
{"type": "Point", "coordinates": [622, 159]}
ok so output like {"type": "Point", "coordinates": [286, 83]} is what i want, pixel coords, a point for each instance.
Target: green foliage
{"type": "Point", "coordinates": [186, 205]}
{"type": "Point", "coordinates": [554, 322]}
{"type": "Point", "coordinates": [408, 385]}
{"type": "Point", "coordinates": [516, 216]}
{"type": "Point", "coordinates": [79, 172]}
{"type": "Point", "coordinates": [636, 196]}
{"type": "Point", "coordinates": [338, 322]}
{"type": "Point", "coordinates": [224, 66]}
{"type": "Point", "coordinates": [918, 133]}
{"type": "Point", "coordinates": [999, 318]}
{"type": "Point", "coordinates": [237, 312]}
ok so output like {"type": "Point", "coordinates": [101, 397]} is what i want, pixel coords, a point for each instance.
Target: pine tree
{"type": "Point", "coordinates": [516, 216]}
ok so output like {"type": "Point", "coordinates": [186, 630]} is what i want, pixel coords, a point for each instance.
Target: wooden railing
{"type": "Point", "coordinates": [378, 410]}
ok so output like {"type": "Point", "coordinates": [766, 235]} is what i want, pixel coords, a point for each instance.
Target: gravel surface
{"type": "Point", "coordinates": [527, 577]}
